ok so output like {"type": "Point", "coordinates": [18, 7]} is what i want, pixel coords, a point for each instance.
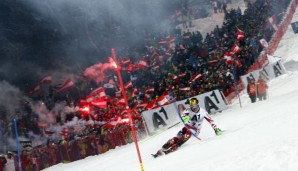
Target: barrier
{"type": "Point", "coordinates": [166, 116]}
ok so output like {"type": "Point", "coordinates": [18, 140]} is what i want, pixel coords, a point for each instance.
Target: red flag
{"type": "Point", "coordinates": [149, 91]}
{"type": "Point", "coordinates": [228, 58]}
{"type": "Point", "coordinates": [69, 84]}
{"type": "Point", "coordinates": [46, 80]}
{"type": "Point", "coordinates": [171, 39]}
{"type": "Point", "coordinates": [140, 105]}
{"type": "Point", "coordinates": [96, 94]}
{"type": "Point", "coordinates": [163, 100]}
{"type": "Point", "coordinates": [125, 60]}
{"type": "Point", "coordinates": [185, 89]}
{"type": "Point", "coordinates": [182, 75]}
{"type": "Point", "coordinates": [143, 63]}
{"type": "Point", "coordinates": [36, 89]}
{"type": "Point", "coordinates": [134, 92]}
{"type": "Point", "coordinates": [235, 49]}
{"type": "Point", "coordinates": [151, 105]}
{"type": "Point", "coordinates": [128, 85]}
{"type": "Point", "coordinates": [121, 102]}
{"type": "Point", "coordinates": [196, 76]}
{"type": "Point", "coordinates": [155, 67]}
{"type": "Point", "coordinates": [240, 35]}
{"type": "Point", "coordinates": [273, 22]}
{"type": "Point", "coordinates": [162, 42]}
{"type": "Point", "coordinates": [99, 103]}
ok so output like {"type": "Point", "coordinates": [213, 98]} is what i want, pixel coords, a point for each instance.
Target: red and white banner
{"type": "Point", "coordinates": [140, 106]}
{"type": "Point", "coordinates": [125, 61]}
{"type": "Point", "coordinates": [240, 35]}
{"type": "Point", "coordinates": [149, 91]}
{"type": "Point", "coordinates": [98, 93]}
{"type": "Point", "coordinates": [228, 58]}
{"type": "Point", "coordinates": [235, 49]}
{"type": "Point", "coordinates": [69, 84]}
{"type": "Point", "coordinates": [143, 64]}
{"type": "Point", "coordinates": [46, 80]}
{"type": "Point", "coordinates": [163, 100]}
{"type": "Point", "coordinates": [151, 105]}
{"type": "Point", "coordinates": [196, 76]}
{"type": "Point", "coordinates": [128, 85]}
{"type": "Point", "coordinates": [185, 89]}
{"type": "Point", "coordinates": [99, 103]}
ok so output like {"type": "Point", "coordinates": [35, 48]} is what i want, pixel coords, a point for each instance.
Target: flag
{"type": "Point", "coordinates": [174, 76]}
{"type": "Point", "coordinates": [99, 103]}
{"type": "Point", "coordinates": [171, 39]}
{"type": "Point", "coordinates": [46, 80]}
{"type": "Point", "coordinates": [69, 84]}
{"type": "Point", "coordinates": [149, 91]}
{"type": "Point", "coordinates": [134, 92]}
{"type": "Point", "coordinates": [155, 67]}
{"type": "Point", "coordinates": [151, 105]}
{"type": "Point", "coordinates": [264, 43]}
{"type": "Point", "coordinates": [140, 105]}
{"type": "Point", "coordinates": [235, 49]}
{"type": "Point", "coordinates": [185, 89]}
{"type": "Point", "coordinates": [196, 76]}
{"type": "Point", "coordinates": [128, 85]}
{"type": "Point", "coordinates": [125, 61]}
{"type": "Point", "coordinates": [272, 21]}
{"type": "Point", "coordinates": [240, 35]}
{"type": "Point", "coordinates": [143, 63]}
{"type": "Point", "coordinates": [96, 94]}
{"type": "Point", "coordinates": [121, 102]}
{"type": "Point", "coordinates": [182, 75]}
{"type": "Point", "coordinates": [163, 100]}
{"type": "Point", "coordinates": [36, 89]}
{"type": "Point", "coordinates": [162, 41]}
{"type": "Point", "coordinates": [228, 58]}
{"type": "Point", "coordinates": [49, 133]}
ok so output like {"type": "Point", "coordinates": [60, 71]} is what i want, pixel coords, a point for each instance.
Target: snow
{"type": "Point", "coordinates": [261, 136]}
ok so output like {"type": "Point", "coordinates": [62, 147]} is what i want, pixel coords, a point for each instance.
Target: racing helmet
{"type": "Point", "coordinates": [194, 104]}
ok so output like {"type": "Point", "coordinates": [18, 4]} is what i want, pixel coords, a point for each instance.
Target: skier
{"type": "Point", "coordinates": [193, 118]}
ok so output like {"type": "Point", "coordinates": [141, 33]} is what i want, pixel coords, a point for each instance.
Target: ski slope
{"type": "Point", "coordinates": [259, 137]}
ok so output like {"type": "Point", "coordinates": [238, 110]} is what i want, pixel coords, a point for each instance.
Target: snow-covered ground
{"type": "Point", "coordinates": [259, 137]}
{"type": "Point", "coordinates": [206, 25]}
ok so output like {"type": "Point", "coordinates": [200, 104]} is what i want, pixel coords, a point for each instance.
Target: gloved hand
{"type": "Point", "coordinates": [185, 119]}
{"type": "Point", "coordinates": [217, 131]}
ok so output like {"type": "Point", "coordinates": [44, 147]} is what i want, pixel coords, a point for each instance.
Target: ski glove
{"type": "Point", "coordinates": [185, 119]}
{"type": "Point", "coordinates": [217, 131]}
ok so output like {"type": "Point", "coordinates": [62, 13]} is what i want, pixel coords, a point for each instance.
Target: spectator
{"type": "Point", "coordinates": [2, 162]}
{"type": "Point", "coordinates": [262, 89]}
{"type": "Point", "coordinates": [251, 90]}
{"type": "Point", "coordinates": [10, 165]}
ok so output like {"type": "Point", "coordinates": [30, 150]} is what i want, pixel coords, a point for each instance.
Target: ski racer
{"type": "Point", "coordinates": [193, 118]}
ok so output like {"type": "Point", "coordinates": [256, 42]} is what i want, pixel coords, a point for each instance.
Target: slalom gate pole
{"type": "Point", "coordinates": [178, 112]}
{"type": "Point", "coordinates": [236, 85]}
{"type": "Point", "coordinates": [17, 143]}
{"type": "Point", "coordinates": [117, 67]}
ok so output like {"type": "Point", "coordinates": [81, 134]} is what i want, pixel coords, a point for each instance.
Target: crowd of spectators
{"type": "Point", "coordinates": [171, 67]}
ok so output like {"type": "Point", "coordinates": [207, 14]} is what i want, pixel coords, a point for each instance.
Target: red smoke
{"type": "Point", "coordinates": [97, 71]}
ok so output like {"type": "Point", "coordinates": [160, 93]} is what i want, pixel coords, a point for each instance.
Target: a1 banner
{"type": "Point", "coordinates": [269, 72]}
{"type": "Point", "coordinates": [167, 116]}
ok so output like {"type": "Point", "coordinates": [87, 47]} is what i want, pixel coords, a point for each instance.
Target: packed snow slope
{"type": "Point", "coordinates": [259, 137]}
